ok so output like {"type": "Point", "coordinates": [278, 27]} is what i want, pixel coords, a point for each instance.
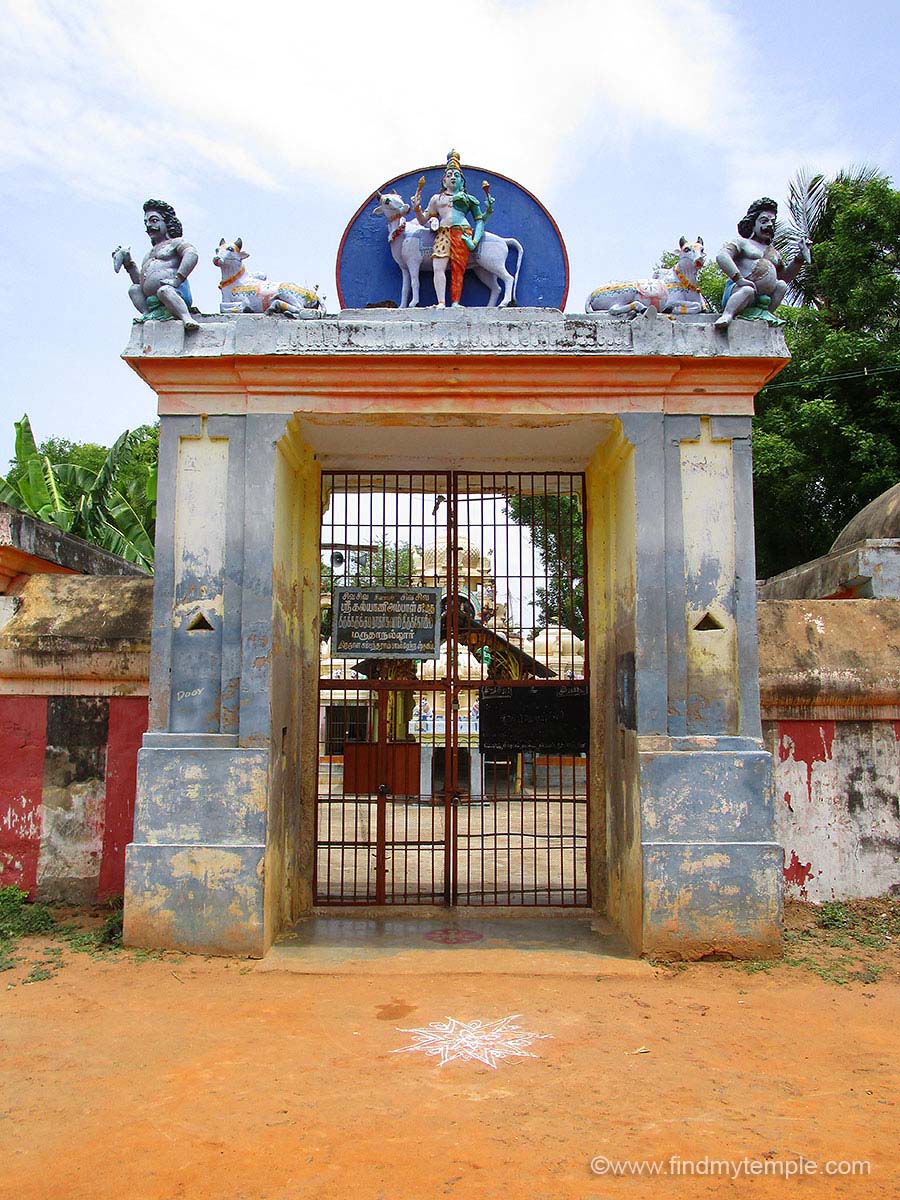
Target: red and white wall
{"type": "Point", "coordinates": [67, 792]}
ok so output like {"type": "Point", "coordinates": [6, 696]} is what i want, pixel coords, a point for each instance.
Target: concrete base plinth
{"type": "Point", "coordinates": [202, 899]}
{"type": "Point", "coordinates": [194, 875]}
{"type": "Point", "coordinates": [712, 871]}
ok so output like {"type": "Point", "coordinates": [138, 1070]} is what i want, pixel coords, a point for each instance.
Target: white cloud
{"type": "Point", "coordinates": [109, 93]}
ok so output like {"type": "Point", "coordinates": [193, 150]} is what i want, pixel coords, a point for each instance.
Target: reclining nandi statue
{"type": "Point", "coordinates": [669, 291]}
{"type": "Point", "coordinates": [412, 244]}
{"type": "Point", "coordinates": [246, 293]}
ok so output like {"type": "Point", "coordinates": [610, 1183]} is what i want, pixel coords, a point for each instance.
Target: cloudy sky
{"type": "Point", "coordinates": [634, 121]}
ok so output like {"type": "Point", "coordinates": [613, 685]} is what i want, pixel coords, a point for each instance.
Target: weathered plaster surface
{"type": "Point", "coordinates": [77, 635]}
{"type": "Point", "coordinates": [204, 778]}
{"type": "Point", "coordinates": [837, 797]}
{"type": "Point", "coordinates": [830, 689]}
{"type": "Point", "coordinates": [717, 901]}
{"type": "Point", "coordinates": [198, 611]}
{"type": "Point", "coordinates": [202, 797]}
{"type": "Point", "coordinates": [615, 805]}
{"type": "Point", "coordinates": [513, 331]}
{"type": "Point", "coordinates": [707, 505]}
{"type": "Point", "coordinates": [32, 547]}
{"type": "Point", "coordinates": [868, 570]}
{"type": "Point", "coordinates": [67, 793]}
{"type": "Point", "coordinates": [476, 390]}
{"type": "Point", "coordinates": [830, 658]}
{"type": "Point", "coordinates": [205, 899]}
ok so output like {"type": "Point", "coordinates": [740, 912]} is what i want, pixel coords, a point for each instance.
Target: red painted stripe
{"type": "Point", "coordinates": [127, 725]}
{"type": "Point", "coordinates": [807, 742]}
{"type": "Point", "coordinates": [23, 740]}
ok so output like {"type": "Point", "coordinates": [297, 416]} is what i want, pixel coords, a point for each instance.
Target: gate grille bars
{"type": "Point", "coordinates": [409, 810]}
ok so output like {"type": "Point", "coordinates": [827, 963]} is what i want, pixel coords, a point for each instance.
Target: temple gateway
{"type": "Point", "coordinates": [455, 597]}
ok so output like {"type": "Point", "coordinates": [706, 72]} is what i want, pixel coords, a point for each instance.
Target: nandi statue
{"type": "Point", "coordinates": [669, 291]}
{"type": "Point", "coordinates": [246, 293]}
{"type": "Point", "coordinates": [412, 244]}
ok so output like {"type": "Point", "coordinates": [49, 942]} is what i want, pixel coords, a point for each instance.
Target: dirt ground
{"type": "Point", "coordinates": [154, 1077]}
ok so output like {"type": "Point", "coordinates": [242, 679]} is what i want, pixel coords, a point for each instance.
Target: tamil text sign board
{"type": "Point", "coordinates": [386, 623]}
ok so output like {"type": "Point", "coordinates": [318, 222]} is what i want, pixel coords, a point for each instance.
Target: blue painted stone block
{"type": "Point", "coordinates": [202, 796]}
{"type": "Point", "coordinates": [203, 899]}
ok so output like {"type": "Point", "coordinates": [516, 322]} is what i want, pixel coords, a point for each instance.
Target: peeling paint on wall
{"type": "Point", "coordinates": [797, 873]}
{"type": "Point", "coordinates": [127, 724]}
{"type": "Point", "coordinates": [839, 823]}
{"type": "Point", "coordinates": [23, 724]}
{"type": "Point", "coordinates": [806, 742]}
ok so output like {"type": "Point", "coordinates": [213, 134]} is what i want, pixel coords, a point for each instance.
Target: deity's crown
{"type": "Point", "coordinates": [453, 160]}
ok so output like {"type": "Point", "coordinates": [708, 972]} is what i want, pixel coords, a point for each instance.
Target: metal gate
{"type": "Point", "coordinates": [418, 801]}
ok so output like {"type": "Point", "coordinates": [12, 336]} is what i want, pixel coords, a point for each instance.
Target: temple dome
{"type": "Point", "coordinates": [432, 564]}
{"type": "Point", "coordinates": [468, 667]}
{"type": "Point", "coordinates": [879, 519]}
{"type": "Point", "coordinates": [560, 650]}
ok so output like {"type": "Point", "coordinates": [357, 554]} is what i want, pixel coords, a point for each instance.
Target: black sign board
{"type": "Point", "coordinates": [386, 623]}
{"type": "Point", "coordinates": [550, 720]}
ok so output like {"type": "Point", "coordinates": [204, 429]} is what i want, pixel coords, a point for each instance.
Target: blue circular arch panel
{"type": "Point", "coordinates": [367, 273]}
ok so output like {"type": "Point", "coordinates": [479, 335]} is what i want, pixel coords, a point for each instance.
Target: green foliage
{"type": "Point", "coordinates": [38, 973]}
{"type": "Point", "coordinates": [107, 497]}
{"type": "Point", "coordinates": [111, 930]}
{"type": "Point", "coordinates": [385, 565]}
{"type": "Point", "coordinates": [853, 222]}
{"type": "Point", "coordinates": [19, 918]}
{"type": "Point", "coordinates": [556, 524]}
{"type": "Point", "coordinates": [826, 439]}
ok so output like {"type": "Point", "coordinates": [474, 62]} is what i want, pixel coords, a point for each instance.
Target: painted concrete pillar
{"type": "Point", "coordinates": [710, 864]}
{"type": "Point", "coordinates": [197, 874]}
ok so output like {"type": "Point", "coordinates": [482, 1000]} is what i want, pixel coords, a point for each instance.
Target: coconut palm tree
{"type": "Point", "coordinates": [811, 221]}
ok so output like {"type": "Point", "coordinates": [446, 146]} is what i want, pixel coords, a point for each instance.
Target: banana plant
{"type": "Point", "coordinates": [110, 511]}
{"type": "Point", "coordinates": [35, 490]}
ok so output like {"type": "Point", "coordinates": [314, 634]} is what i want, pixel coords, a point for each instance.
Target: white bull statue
{"type": "Point", "coordinates": [669, 291]}
{"type": "Point", "coordinates": [411, 245]}
{"type": "Point", "coordinates": [243, 292]}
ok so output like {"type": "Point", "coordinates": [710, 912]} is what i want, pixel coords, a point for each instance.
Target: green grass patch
{"type": "Point", "coordinates": [872, 941]}
{"type": "Point", "coordinates": [833, 972]}
{"type": "Point", "coordinates": [870, 973]}
{"type": "Point", "coordinates": [38, 973]}
{"type": "Point", "coordinates": [7, 961]}
{"type": "Point", "coordinates": [757, 966]}
{"type": "Point", "coordinates": [147, 955]}
{"type": "Point", "coordinates": [835, 915]}
{"type": "Point", "coordinates": [19, 918]}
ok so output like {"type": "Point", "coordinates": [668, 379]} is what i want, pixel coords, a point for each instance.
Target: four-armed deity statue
{"type": "Point", "coordinates": [447, 216]}
{"type": "Point", "coordinates": [449, 232]}
{"type": "Point", "coordinates": [160, 290]}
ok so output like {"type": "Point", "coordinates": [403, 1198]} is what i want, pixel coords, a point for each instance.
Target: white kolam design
{"type": "Point", "coordinates": [488, 1042]}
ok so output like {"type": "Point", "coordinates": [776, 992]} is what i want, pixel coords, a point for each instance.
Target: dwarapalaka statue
{"type": "Point", "coordinates": [447, 216]}
{"type": "Point", "coordinates": [160, 290]}
{"type": "Point", "coordinates": [757, 275]}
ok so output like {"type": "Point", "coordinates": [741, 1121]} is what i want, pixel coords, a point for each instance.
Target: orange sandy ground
{"type": "Point", "coordinates": [151, 1078]}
